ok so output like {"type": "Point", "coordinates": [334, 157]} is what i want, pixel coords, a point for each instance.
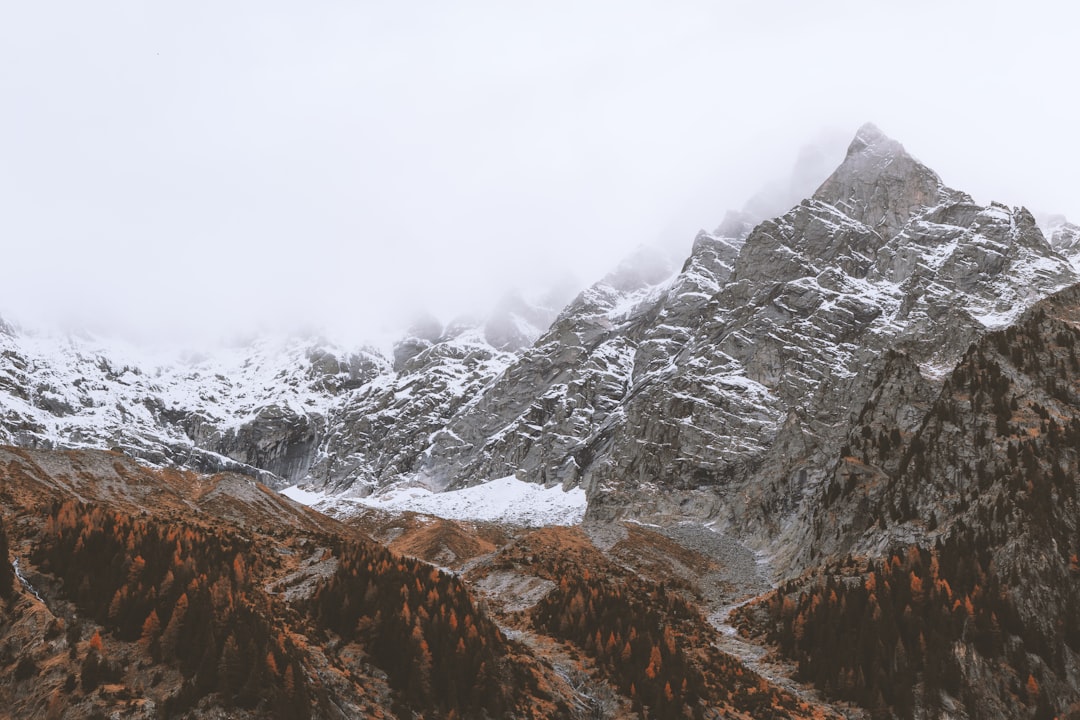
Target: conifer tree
{"type": "Point", "coordinates": [7, 572]}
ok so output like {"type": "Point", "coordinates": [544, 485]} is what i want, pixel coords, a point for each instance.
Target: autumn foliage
{"type": "Point", "coordinates": [185, 594]}
{"type": "Point", "coordinates": [886, 634]}
{"type": "Point", "coordinates": [629, 638]}
{"type": "Point", "coordinates": [649, 642]}
{"type": "Point", "coordinates": [421, 627]}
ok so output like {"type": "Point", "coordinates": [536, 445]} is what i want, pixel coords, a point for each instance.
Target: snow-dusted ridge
{"type": "Point", "coordinates": [284, 409]}
{"type": "Point", "coordinates": [82, 391]}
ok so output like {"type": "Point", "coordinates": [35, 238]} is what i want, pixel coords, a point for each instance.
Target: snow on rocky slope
{"type": "Point", "coordinates": [254, 407]}
{"type": "Point", "coordinates": [285, 409]}
{"type": "Point", "coordinates": [1064, 236]}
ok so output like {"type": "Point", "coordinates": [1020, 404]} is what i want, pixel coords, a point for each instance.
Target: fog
{"type": "Point", "coordinates": [181, 172]}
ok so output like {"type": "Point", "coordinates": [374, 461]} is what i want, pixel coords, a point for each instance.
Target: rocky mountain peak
{"type": "Point", "coordinates": [518, 321]}
{"type": "Point", "coordinates": [421, 335]}
{"type": "Point", "coordinates": [1063, 236]}
{"type": "Point", "coordinates": [736, 224]}
{"type": "Point", "coordinates": [870, 135]}
{"type": "Point", "coordinates": [881, 185]}
{"type": "Point", "coordinates": [643, 268]}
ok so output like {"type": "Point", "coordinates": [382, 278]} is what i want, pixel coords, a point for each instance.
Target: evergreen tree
{"type": "Point", "coordinates": [7, 572]}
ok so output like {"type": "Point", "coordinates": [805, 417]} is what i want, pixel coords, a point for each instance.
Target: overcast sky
{"type": "Point", "coordinates": [184, 170]}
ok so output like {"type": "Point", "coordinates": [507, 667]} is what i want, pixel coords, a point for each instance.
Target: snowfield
{"type": "Point", "coordinates": [507, 500]}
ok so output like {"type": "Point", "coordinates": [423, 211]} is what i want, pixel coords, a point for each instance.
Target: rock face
{"type": "Point", "coordinates": [880, 185]}
{"type": "Point", "coordinates": [377, 433]}
{"type": "Point", "coordinates": [537, 413]}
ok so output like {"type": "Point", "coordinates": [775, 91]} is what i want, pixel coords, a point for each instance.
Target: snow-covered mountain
{"type": "Point", "coordinates": [253, 408]}
{"type": "Point", "coordinates": [726, 390]}
{"type": "Point", "coordinates": [1064, 236]}
{"type": "Point", "coordinates": [285, 409]}
{"type": "Point", "coordinates": [720, 389]}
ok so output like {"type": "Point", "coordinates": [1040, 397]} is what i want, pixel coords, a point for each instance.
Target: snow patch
{"type": "Point", "coordinates": [507, 500]}
{"type": "Point", "coordinates": [304, 497]}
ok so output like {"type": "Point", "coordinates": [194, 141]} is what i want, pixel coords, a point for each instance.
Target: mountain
{"type": "Point", "coordinates": [1064, 236]}
{"type": "Point", "coordinates": [829, 464]}
{"type": "Point", "coordinates": [260, 404]}
{"type": "Point", "coordinates": [719, 391]}
{"type": "Point", "coordinates": [736, 380]}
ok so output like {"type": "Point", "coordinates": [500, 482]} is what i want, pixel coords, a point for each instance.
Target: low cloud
{"type": "Point", "coordinates": [186, 173]}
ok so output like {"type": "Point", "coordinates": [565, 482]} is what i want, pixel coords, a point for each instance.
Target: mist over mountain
{"type": "Point", "coordinates": [822, 465]}
{"type": "Point", "coordinates": [186, 175]}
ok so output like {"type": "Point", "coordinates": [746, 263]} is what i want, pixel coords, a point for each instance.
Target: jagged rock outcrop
{"type": "Point", "coordinates": [881, 186]}
{"type": "Point", "coordinates": [816, 298]}
{"type": "Point", "coordinates": [377, 433]}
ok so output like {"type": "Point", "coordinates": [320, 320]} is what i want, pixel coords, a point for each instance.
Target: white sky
{"type": "Point", "coordinates": [183, 170]}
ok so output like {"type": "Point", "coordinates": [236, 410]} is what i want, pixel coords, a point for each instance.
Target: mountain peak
{"type": "Point", "coordinates": [870, 136]}
{"type": "Point", "coordinates": [880, 184]}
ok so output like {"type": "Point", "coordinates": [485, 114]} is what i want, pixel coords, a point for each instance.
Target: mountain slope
{"type": "Point", "coordinates": [855, 397]}
{"type": "Point", "coordinates": [968, 516]}
{"type": "Point", "coordinates": [181, 595]}
{"type": "Point", "coordinates": [171, 594]}
{"type": "Point", "coordinates": [816, 297]}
